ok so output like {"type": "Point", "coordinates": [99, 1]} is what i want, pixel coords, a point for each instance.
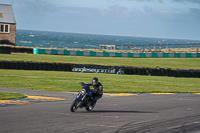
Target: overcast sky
{"type": "Point", "coordinates": [179, 19]}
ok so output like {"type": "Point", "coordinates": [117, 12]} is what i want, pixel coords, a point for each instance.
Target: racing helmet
{"type": "Point", "coordinates": [95, 81]}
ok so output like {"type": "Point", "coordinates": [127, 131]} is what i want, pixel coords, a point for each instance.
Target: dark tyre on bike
{"type": "Point", "coordinates": [74, 106]}
{"type": "Point", "coordinates": [90, 106]}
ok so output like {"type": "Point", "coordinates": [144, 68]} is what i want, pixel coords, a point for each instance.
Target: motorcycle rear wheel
{"type": "Point", "coordinates": [74, 107]}
{"type": "Point", "coordinates": [90, 106]}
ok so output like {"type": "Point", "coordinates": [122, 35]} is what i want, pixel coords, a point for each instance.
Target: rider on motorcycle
{"type": "Point", "coordinates": [97, 92]}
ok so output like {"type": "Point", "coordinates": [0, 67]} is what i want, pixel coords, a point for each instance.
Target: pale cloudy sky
{"type": "Point", "coordinates": [179, 19]}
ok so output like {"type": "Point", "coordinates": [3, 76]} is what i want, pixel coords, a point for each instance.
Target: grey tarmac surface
{"type": "Point", "coordinates": [143, 113]}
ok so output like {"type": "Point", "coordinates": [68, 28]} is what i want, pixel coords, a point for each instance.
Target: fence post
{"type": "Point", "coordinates": [154, 47]}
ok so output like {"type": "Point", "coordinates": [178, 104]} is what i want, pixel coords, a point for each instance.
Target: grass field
{"type": "Point", "coordinates": [181, 63]}
{"type": "Point", "coordinates": [68, 81]}
{"type": "Point", "coordinates": [7, 95]}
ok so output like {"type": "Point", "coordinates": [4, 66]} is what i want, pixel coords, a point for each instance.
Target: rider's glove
{"type": "Point", "coordinates": [82, 84]}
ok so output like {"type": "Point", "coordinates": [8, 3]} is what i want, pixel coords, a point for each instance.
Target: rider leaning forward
{"type": "Point", "coordinates": [97, 92]}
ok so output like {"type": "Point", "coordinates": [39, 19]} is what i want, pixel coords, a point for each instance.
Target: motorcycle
{"type": "Point", "coordinates": [83, 99]}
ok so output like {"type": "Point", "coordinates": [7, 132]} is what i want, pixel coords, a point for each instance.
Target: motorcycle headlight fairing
{"type": "Point", "coordinates": [83, 91]}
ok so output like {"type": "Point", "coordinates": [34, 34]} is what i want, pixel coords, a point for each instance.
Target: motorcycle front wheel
{"type": "Point", "coordinates": [74, 107]}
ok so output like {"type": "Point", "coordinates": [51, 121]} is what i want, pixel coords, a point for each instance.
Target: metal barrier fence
{"type": "Point", "coordinates": [148, 46]}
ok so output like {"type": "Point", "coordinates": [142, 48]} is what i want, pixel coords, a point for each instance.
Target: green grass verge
{"type": "Point", "coordinates": [181, 63]}
{"type": "Point", "coordinates": [7, 95]}
{"type": "Point", "coordinates": [68, 81]}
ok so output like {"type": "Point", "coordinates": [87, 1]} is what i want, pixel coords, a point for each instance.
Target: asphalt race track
{"type": "Point", "coordinates": [142, 113]}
